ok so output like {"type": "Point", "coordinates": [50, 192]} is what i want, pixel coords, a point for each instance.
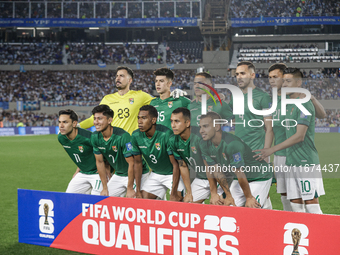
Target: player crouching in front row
{"type": "Point", "coordinates": [151, 142]}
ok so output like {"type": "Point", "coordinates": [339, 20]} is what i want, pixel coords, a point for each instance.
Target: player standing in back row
{"type": "Point", "coordinates": [165, 104]}
{"type": "Point", "coordinates": [304, 179]}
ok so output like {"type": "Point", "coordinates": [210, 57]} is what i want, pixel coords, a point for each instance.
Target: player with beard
{"type": "Point", "coordinates": [77, 144]}
{"type": "Point", "coordinates": [125, 103]}
{"type": "Point", "coordinates": [275, 75]}
{"type": "Point", "coordinates": [304, 179]}
{"type": "Point", "coordinates": [113, 144]}
{"type": "Point", "coordinates": [256, 136]}
{"type": "Point", "coordinates": [185, 146]}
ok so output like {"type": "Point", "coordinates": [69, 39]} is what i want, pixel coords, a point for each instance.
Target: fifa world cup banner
{"type": "Point", "coordinates": [114, 225]}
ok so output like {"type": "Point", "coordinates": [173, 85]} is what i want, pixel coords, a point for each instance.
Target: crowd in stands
{"type": "Point", "coordinates": [89, 86]}
{"type": "Point", "coordinates": [46, 53]}
{"type": "Point", "coordinates": [291, 53]}
{"type": "Point", "coordinates": [283, 8]}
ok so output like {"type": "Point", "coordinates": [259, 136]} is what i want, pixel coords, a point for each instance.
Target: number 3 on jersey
{"type": "Point", "coordinates": [153, 159]}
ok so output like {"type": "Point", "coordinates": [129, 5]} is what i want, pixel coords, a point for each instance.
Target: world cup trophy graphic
{"type": "Point", "coordinates": [46, 208]}
{"type": "Point", "coordinates": [296, 236]}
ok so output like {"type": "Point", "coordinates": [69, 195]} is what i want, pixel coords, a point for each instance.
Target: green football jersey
{"type": "Point", "coordinates": [114, 150]}
{"type": "Point", "coordinates": [80, 150]}
{"type": "Point", "coordinates": [233, 152]}
{"type": "Point", "coordinates": [278, 129]}
{"type": "Point", "coordinates": [189, 151]}
{"type": "Point", "coordinates": [253, 136]}
{"type": "Point", "coordinates": [155, 150]}
{"type": "Point", "coordinates": [303, 153]}
{"type": "Point", "coordinates": [196, 108]}
{"type": "Point", "coordinates": [166, 106]}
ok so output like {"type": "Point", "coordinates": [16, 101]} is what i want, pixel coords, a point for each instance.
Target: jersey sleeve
{"type": "Point", "coordinates": [126, 145]}
{"type": "Point", "coordinates": [172, 147]}
{"type": "Point", "coordinates": [226, 112]}
{"type": "Point", "coordinates": [236, 151]}
{"type": "Point", "coordinates": [266, 101]}
{"type": "Point", "coordinates": [89, 121]}
{"type": "Point", "coordinates": [135, 147]}
{"type": "Point", "coordinates": [205, 155]}
{"type": "Point", "coordinates": [185, 102]}
{"type": "Point", "coordinates": [146, 98]}
{"type": "Point", "coordinates": [306, 119]}
{"type": "Point", "coordinates": [94, 144]}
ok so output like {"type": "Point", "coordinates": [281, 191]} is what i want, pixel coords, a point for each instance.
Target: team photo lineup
{"type": "Point", "coordinates": [169, 127]}
{"type": "Point", "coordinates": [144, 146]}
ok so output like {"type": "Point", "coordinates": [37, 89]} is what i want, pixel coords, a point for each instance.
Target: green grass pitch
{"type": "Point", "coordinates": [40, 163]}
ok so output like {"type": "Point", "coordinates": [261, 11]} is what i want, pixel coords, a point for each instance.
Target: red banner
{"type": "Point", "coordinates": [133, 226]}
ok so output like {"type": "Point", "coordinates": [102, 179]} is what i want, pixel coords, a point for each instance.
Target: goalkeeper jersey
{"type": "Point", "coordinates": [125, 109]}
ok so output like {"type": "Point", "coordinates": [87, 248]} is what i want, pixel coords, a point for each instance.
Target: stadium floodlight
{"type": "Point", "coordinates": [236, 34]}
{"type": "Point", "coordinates": [93, 28]}
{"type": "Point", "coordinates": [43, 28]}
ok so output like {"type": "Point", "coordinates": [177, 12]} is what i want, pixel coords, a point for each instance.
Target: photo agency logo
{"type": "Point", "coordinates": [239, 104]}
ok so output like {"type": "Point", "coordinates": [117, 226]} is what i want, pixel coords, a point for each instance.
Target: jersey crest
{"type": "Point", "coordinates": [170, 104]}
{"type": "Point", "coordinates": [81, 148]}
{"type": "Point", "coordinates": [210, 108]}
{"type": "Point", "coordinates": [114, 148]}
{"type": "Point", "coordinates": [224, 156]}
{"type": "Point", "coordinates": [193, 148]}
{"type": "Point", "coordinates": [131, 100]}
{"type": "Point", "coordinates": [158, 146]}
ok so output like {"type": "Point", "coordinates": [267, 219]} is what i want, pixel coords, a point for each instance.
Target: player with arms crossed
{"type": "Point", "coordinates": [234, 157]}
{"type": "Point", "coordinates": [185, 147]}
{"type": "Point", "coordinates": [113, 144]}
{"type": "Point", "coordinates": [151, 142]}
{"type": "Point", "coordinates": [275, 75]}
{"type": "Point", "coordinates": [201, 82]}
{"type": "Point", "coordinates": [77, 144]}
{"type": "Point", "coordinates": [165, 104]}
{"type": "Point", "coordinates": [304, 180]}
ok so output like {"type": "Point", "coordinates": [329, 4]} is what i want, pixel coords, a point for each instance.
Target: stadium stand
{"type": "Point", "coordinates": [283, 8]}
{"type": "Point", "coordinates": [94, 53]}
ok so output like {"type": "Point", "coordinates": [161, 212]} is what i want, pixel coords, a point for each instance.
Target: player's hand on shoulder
{"type": "Point", "coordinates": [252, 203]}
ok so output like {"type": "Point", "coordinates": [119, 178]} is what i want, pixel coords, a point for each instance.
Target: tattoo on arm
{"type": "Point", "coordinates": [222, 180]}
{"type": "Point", "coordinates": [181, 162]}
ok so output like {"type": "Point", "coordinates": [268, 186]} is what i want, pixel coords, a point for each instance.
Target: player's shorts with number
{"type": "Point", "coordinates": [85, 184]}
{"type": "Point", "coordinates": [305, 183]}
{"type": "Point", "coordinates": [259, 190]}
{"type": "Point", "coordinates": [158, 184]}
{"type": "Point", "coordinates": [200, 189]}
